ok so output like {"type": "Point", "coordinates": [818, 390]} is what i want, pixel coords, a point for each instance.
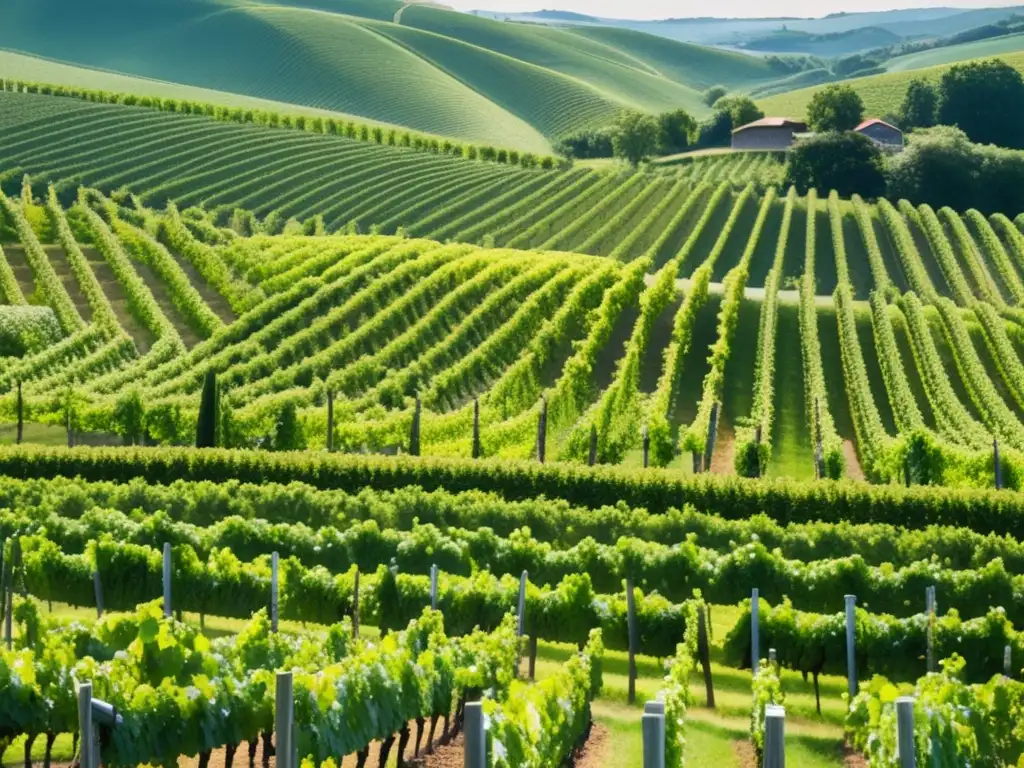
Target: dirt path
{"type": "Point", "coordinates": [163, 299]}
{"type": "Point", "coordinates": [142, 337]}
{"type": "Point", "coordinates": [214, 300]}
{"type": "Point", "coordinates": [398, 13]}
{"type": "Point", "coordinates": [59, 260]}
{"type": "Point", "coordinates": [746, 757]}
{"type": "Point", "coordinates": [22, 271]}
{"type": "Point", "coordinates": [724, 457]}
{"type": "Point", "coordinates": [853, 468]}
{"type": "Point", "coordinates": [593, 754]}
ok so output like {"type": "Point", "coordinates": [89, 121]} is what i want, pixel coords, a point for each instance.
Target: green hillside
{"type": "Point", "coordinates": [882, 94]}
{"type": "Point", "coordinates": [950, 54]}
{"type": "Point", "coordinates": [434, 71]}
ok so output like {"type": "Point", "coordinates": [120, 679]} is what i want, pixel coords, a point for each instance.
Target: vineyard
{"type": "Point", "coordinates": [340, 443]}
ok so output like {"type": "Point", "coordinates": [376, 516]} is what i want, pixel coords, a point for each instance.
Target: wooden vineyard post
{"type": "Point", "coordinates": [709, 445]}
{"type": "Point", "coordinates": [774, 736]}
{"type": "Point", "coordinates": [646, 440]}
{"type": "Point", "coordinates": [414, 431]}
{"type": "Point", "coordinates": [542, 430]}
{"type": "Point", "coordinates": [98, 589]}
{"type": "Point", "coordinates": [433, 587]}
{"type": "Point", "coordinates": [477, 448]}
{"type": "Point", "coordinates": [167, 580]}
{"type": "Point", "coordinates": [755, 630]}
{"type": "Point", "coordinates": [652, 725]}
{"type": "Point", "coordinates": [997, 466]}
{"type": "Point", "coordinates": [929, 600]}
{"type": "Point", "coordinates": [284, 721]}
{"type": "Point", "coordinates": [906, 749]}
{"type": "Point", "coordinates": [698, 463]}
{"type": "Point", "coordinates": [355, 606]}
{"type": "Point", "coordinates": [592, 457]}
{"type": "Point", "coordinates": [274, 559]}
{"type": "Point", "coordinates": [851, 655]}
{"type": "Point", "coordinates": [330, 421]}
{"type": "Point", "coordinates": [475, 738]}
{"type": "Point", "coordinates": [704, 652]}
{"type": "Point", "coordinates": [631, 631]}
{"type": "Point", "coordinates": [521, 620]}
{"type": "Point", "coordinates": [1007, 661]}
{"type": "Point", "coordinates": [819, 451]}
{"type": "Point", "coordinates": [21, 415]}
{"type": "Point", "coordinates": [757, 443]}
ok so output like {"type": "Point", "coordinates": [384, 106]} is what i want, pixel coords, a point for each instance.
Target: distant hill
{"type": "Point", "coordinates": [882, 94]}
{"type": "Point", "coordinates": [414, 65]}
{"type": "Point", "coordinates": [996, 46]}
{"type": "Point", "coordinates": [830, 44]}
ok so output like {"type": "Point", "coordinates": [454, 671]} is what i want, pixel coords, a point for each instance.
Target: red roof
{"type": "Point", "coordinates": [874, 121]}
{"type": "Point", "coordinates": [774, 122]}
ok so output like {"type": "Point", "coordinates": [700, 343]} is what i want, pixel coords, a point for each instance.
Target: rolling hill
{"type": "Point", "coordinates": [882, 94]}
{"type": "Point", "coordinates": [950, 54]}
{"type": "Point", "coordinates": [435, 71]}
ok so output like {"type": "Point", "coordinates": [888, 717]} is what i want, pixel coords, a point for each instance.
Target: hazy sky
{"type": "Point", "coordinates": [653, 9]}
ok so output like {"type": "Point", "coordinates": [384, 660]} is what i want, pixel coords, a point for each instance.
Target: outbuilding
{"type": "Point", "coordinates": [767, 133]}
{"type": "Point", "coordinates": [886, 136]}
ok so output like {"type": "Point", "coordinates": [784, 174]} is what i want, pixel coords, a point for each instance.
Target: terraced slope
{"type": "Point", "coordinates": [471, 78]}
{"type": "Point", "coordinates": [149, 301]}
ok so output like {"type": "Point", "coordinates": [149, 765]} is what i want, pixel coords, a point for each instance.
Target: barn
{"type": "Point", "coordinates": [767, 133]}
{"type": "Point", "coordinates": [886, 136]}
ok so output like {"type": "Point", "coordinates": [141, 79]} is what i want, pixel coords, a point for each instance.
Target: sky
{"type": "Point", "coordinates": [655, 9]}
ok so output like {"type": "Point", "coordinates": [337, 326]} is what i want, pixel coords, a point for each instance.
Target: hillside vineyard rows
{"type": "Point", "coordinates": [724, 347]}
{"type": "Point", "coordinates": [885, 331]}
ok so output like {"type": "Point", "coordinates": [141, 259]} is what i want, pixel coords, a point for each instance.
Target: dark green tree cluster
{"type": "Point", "coordinates": [635, 136]}
{"type": "Point", "coordinates": [847, 162]}
{"type": "Point", "coordinates": [985, 99]}
{"type": "Point", "coordinates": [730, 113]}
{"type": "Point", "coordinates": [835, 108]}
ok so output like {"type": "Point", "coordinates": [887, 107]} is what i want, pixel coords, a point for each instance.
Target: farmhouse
{"type": "Point", "coordinates": [885, 135]}
{"type": "Point", "coordinates": [767, 133]}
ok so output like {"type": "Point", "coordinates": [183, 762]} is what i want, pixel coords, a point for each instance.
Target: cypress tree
{"type": "Point", "coordinates": [206, 429]}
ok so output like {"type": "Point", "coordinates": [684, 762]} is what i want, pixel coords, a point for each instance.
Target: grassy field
{"type": "Point", "coordinates": [950, 54]}
{"type": "Point", "coordinates": [882, 94]}
{"type": "Point", "coordinates": [435, 71]}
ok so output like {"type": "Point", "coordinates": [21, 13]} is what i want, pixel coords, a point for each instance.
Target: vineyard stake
{"type": "Point", "coordinates": [521, 620]}
{"type": "Point", "coordinates": [477, 448]}
{"type": "Point", "coordinates": [704, 651]}
{"type": "Point", "coordinates": [646, 437]}
{"type": "Point", "coordinates": [433, 587]}
{"type": "Point", "coordinates": [1007, 663]}
{"type": "Point", "coordinates": [21, 414]}
{"type": "Point", "coordinates": [851, 658]}
{"type": "Point", "coordinates": [819, 451]}
{"type": "Point", "coordinates": [631, 631]}
{"type": "Point", "coordinates": [330, 421]}
{"type": "Point", "coordinates": [653, 726]}
{"type": "Point", "coordinates": [475, 741]}
{"type": "Point", "coordinates": [414, 431]}
{"type": "Point", "coordinates": [284, 721]}
{"type": "Point", "coordinates": [355, 606]}
{"type": "Point", "coordinates": [998, 466]}
{"type": "Point", "coordinates": [542, 430]}
{"type": "Point", "coordinates": [273, 591]}
{"type": "Point", "coordinates": [905, 746]}
{"type": "Point", "coordinates": [86, 744]}
{"type": "Point", "coordinates": [755, 630]}
{"type": "Point", "coordinates": [98, 588]}
{"type": "Point", "coordinates": [592, 457]}
{"type": "Point", "coordinates": [167, 580]}
{"type": "Point", "coordinates": [929, 599]}
{"type": "Point", "coordinates": [774, 736]}
{"type": "Point", "coordinates": [709, 446]}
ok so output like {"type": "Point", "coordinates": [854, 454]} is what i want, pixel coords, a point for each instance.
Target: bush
{"type": "Point", "coordinates": [846, 162]}
{"type": "Point", "coordinates": [26, 329]}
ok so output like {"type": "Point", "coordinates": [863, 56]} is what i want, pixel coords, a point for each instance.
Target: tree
{"type": "Point", "coordinates": [635, 136]}
{"type": "Point", "coordinates": [919, 105]}
{"type": "Point", "coordinates": [985, 99]}
{"type": "Point", "coordinates": [674, 130]}
{"type": "Point", "coordinates": [129, 417]}
{"type": "Point", "coordinates": [288, 434]}
{"type": "Point", "coordinates": [741, 109]}
{"type": "Point", "coordinates": [846, 162]}
{"type": "Point", "coordinates": [939, 167]}
{"type": "Point", "coordinates": [715, 131]}
{"type": "Point", "coordinates": [713, 94]}
{"type": "Point", "coordinates": [835, 108]}
{"type": "Point", "coordinates": [209, 406]}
